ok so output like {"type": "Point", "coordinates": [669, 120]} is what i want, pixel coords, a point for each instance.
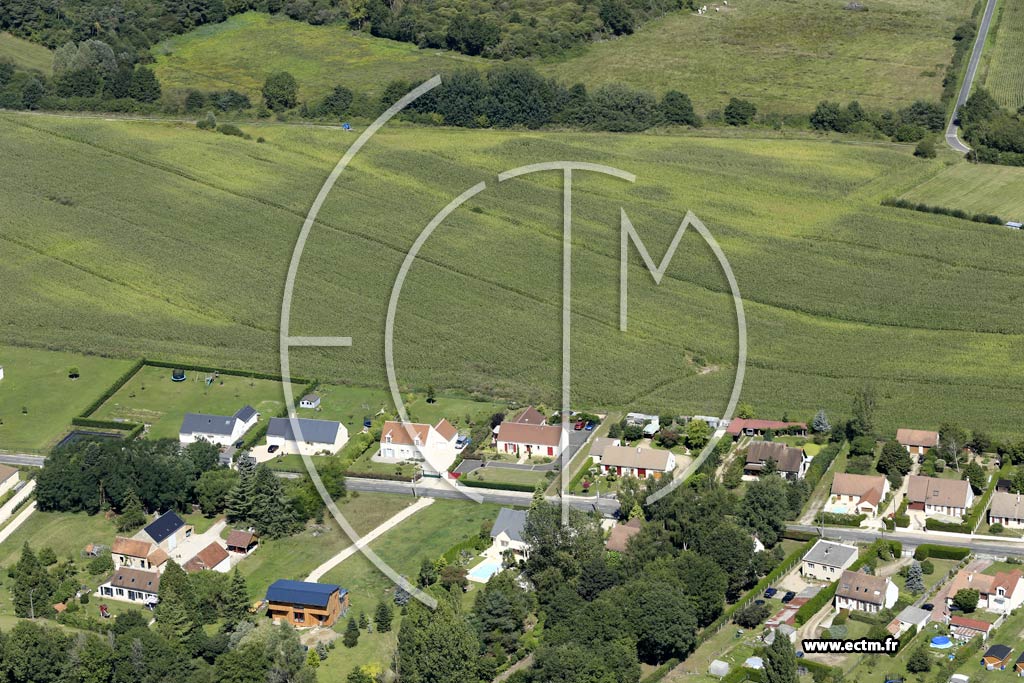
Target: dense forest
{"type": "Point", "coordinates": [517, 28]}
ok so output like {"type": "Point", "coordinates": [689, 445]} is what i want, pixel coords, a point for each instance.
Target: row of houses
{"type": "Point", "coordinates": [302, 436]}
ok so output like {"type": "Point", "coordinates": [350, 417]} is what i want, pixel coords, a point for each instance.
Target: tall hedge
{"type": "Point", "coordinates": [940, 552]}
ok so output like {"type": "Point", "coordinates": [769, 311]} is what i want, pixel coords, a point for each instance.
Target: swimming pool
{"type": "Point", "coordinates": [484, 571]}
{"type": "Point", "coordinates": [839, 509]}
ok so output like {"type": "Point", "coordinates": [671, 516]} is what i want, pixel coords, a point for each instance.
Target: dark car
{"type": "Point", "coordinates": [928, 607]}
{"type": "Point", "coordinates": [589, 426]}
{"type": "Point", "coordinates": [759, 601]}
{"type": "Point", "coordinates": [770, 592]}
{"type": "Point", "coordinates": [788, 596]}
{"type": "Point", "coordinates": [273, 449]}
{"type": "Point", "coordinates": [238, 444]}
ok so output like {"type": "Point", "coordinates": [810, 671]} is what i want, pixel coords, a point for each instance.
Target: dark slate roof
{"type": "Point", "coordinates": [245, 414]}
{"type": "Point", "coordinates": [164, 525]}
{"type": "Point", "coordinates": [511, 522]}
{"type": "Point", "coordinates": [207, 424]}
{"type": "Point", "coordinates": [291, 592]}
{"type": "Point", "coordinates": [312, 431]}
{"type": "Point", "coordinates": [999, 652]}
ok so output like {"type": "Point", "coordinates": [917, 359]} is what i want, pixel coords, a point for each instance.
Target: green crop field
{"type": "Point", "coordinates": [785, 55]}
{"type": "Point", "coordinates": [38, 400]}
{"type": "Point", "coordinates": [150, 397]}
{"type": "Point", "coordinates": [240, 52]}
{"type": "Point", "coordinates": [977, 188]}
{"type": "Point", "coordinates": [189, 258]}
{"type": "Point", "coordinates": [25, 54]}
{"type": "Point", "coordinates": [1004, 76]}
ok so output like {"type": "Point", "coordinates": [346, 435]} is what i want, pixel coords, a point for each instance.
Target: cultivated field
{"type": "Point", "coordinates": [150, 397]}
{"type": "Point", "coordinates": [25, 54]}
{"type": "Point", "coordinates": [38, 399]}
{"type": "Point", "coordinates": [977, 188]}
{"type": "Point", "coordinates": [1005, 72]}
{"type": "Point", "coordinates": [240, 52]}
{"type": "Point", "coordinates": [189, 259]}
{"type": "Point", "coordinates": [785, 55]}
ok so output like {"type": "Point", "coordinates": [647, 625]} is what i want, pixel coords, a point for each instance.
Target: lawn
{"type": "Point", "coordinates": [925, 307]}
{"type": "Point", "coordinates": [25, 54]}
{"type": "Point", "coordinates": [240, 52]}
{"type": "Point", "coordinates": [152, 398]}
{"type": "Point", "coordinates": [886, 57]}
{"type": "Point", "coordinates": [427, 534]}
{"type": "Point", "coordinates": [38, 400]}
{"type": "Point", "coordinates": [977, 188]}
{"type": "Point", "coordinates": [505, 476]}
{"type": "Point", "coordinates": [1004, 72]}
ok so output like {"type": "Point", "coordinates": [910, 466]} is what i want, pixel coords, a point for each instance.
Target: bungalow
{"type": "Point", "coordinates": [302, 603]}
{"type": "Point", "coordinates": [241, 542]}
{"type": "Point", "coordinates": [744, 427]}
{"type": "Point", "coordinates": [303, 436]}
{"type": "Point", "coordinates": [858, 494]}
{"type": "Point", "coordinates": [530, 416]}
{"type": "Point", "coordinates": [1001, 592]}
{"type": "Point", "coordinates": [132, 585]}
{"type": "Point", "coordinates": [966, 629]}
{"type": "Point", "coordinates": [1006, 509]}
{"type": "Point", "coordinates": [865, 592]}
{"type": "Point", "coordinates": [213, 557]}
{"type": "Point", "coordinates": [9, 478]}
{"type": "Point", "coordinates": [996, 657]}
{"type": "Point", "coordinates": [217, 429]}
{"type": "Point", "coordinates": [619, 537]}
{"type": "Point", "coordinates": [640, 462]}
{"type": "Point", "coordinates": [934, 496]}
{"type": "Point", "coordinates": [166, 532]}
{"type": "Point", "coordinates": [910, 617]}
{"type": "Point", "coordinates": [507, 534]}
{"type": "Point", "coordinates": [598, 446]}
{"type": "Point", "coordinates": [790, 461]}
{"type": "Point", "coordinates": [531, 439]}
{"type": "Point", "coordinates": [917, 441]}
{"type": "Point", "coordinates": [133, 553]}
{"type": "Point", "coordinates": [310, 402]}
{"type": "Point", "coordinates": [434, 446]}
{"type": "Point", "coordinates": [827, 560]}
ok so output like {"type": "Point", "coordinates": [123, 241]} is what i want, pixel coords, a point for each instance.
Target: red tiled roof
{"type": "Point", "coordinates": [240, 539]}
{"type": "Point", "coordinates": [974, 624]}
{"type": "Point", "coordinates": [403, 434]}
{"type": "Point", "coordinates": [446, 430]}
{"type": "Point", "coordinates": [519, 432]}
{"type": "Point", "coordinates": [207, 558]}
{"type": "Point", "coordinates": [131, 547]}
{"type": "Point", "coordinates": [529, 415]}
{"type": "Point", "coordinates": [917, 437]}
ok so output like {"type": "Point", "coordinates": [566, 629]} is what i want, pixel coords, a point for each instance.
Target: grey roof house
{"type": "Point", "coordinates": [507, 533]}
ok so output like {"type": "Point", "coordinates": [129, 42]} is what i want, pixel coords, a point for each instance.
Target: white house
{"type": "Point", "coordinates": [310, 402]}
{"type": "Point", "coordinates": [917, 441]}
{"type": "Point", "coordinates": [865, 592]}
{"type": "Point", "coordinates": [641, 462]}
{"type": "Point", "coordinates": [433, 445]}
{"type": "Point", "coordinates": [217, 429]}
{"type": "Point", "coordinates": [935, 496]}
{"type": "Point", "coordinates": [9, 478]}
{"type": "Point", "coordinates": [1000, 593]}
{"type": "Point", "coordinates": [856, 494]}
{"type": "Point", "coordinates": [303, 436]}
{"type": "Point", "coordinates": [826, 561]}
{"type": "Point", "coordinates": [132, 585]}
{"type": "Point", "coordinates": [1006, 509]}
{"type": "Point", "coordinates": [522, 438]}
{"type": "Point", "coordinates": [507, 534]}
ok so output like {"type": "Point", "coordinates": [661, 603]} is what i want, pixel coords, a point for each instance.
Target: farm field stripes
{"type": "Point", "coordinates": [1005, 75]}
{"type": "Point", "coordinates": [978, 188]}
{"type": "Point", "coordinates": [839, 290]}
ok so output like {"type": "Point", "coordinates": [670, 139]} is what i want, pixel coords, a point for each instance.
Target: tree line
{"type": "Point", "coordinates": [995, 134]}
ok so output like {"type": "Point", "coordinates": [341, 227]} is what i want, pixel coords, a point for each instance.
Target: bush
{"type": "Point", "coordinates": [833, 519]}
{"type": "Point", "coordinates": [927, 567]}
{"type": "Point", "coordinates": [925, 149]}
{"type": "Point", "coordinates": [996, 528]}
{"type": "Point", "coordinates": [751, 615]}
{"type": "Point", "coordinates": [739, 112]}
{"type": "Point", "coordinates": [209, 122]}
{"type": "Point", "coordinates": [939, 552]}
{"type": "Point", "coordinates": [230, 129]}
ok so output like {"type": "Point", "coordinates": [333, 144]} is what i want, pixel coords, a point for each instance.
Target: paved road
{"type": "Point", "coordinates": [366, 539]}
{"type": "Point", "coordinates": [952, 138]}
{"type": "Point", "coordinates": [911, 539]}
{"type": "Point", "coordinates": [22, 459]}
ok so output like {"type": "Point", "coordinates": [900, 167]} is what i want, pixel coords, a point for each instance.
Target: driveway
{"type": "Point", "coordinates": [952, 130]}
{"type": "Point", "coordinates": [196, 542]}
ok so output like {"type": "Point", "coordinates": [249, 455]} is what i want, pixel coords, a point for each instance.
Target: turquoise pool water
{"type": "Point", "coordinates": [484, 571]}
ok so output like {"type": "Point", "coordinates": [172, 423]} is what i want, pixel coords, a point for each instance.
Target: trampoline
{"type": "Point", "coordinates": [941, 643]}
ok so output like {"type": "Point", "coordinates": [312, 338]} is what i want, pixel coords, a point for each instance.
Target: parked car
{"type": "Point", "coordinates": [770, 592]}
{"type": "Point", "coordinates": [589, 426]}
{"type": "Point", "coordinates": [928, 607]}
{"type": "Point", "coordinates": [579, 425]}
{"type": "Point", "coordinates": [788, 596]}
{"type": "Point", "coordinates": [238, 444]}
{"type": "Point", "coordinates": [759, 601]}
{"type": "Point", "coordinates": [273, 449]}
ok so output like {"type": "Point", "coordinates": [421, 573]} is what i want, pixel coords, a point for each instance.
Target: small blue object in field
{"type": "Point", "coordinates": [346, 126]}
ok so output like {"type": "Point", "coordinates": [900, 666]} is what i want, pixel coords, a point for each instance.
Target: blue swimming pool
{"type": "Point", "coordinates": [484, 571]}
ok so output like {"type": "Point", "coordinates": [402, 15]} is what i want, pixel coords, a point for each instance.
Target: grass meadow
{"type": "Point", "coordinates": [785, 55]}
{"type": "Point", "coordinates": [240, 52]}
{"type": "Point", "coordinates": [977, 188]}
{"type": "Point", "coordinates": [26, 54]}
{"type": "Point", "coordinates": [188, 259]}
{"type": "Point", "coordinates": [151, 397]}
{"type": "Point", "coordinates": [38, 399]}
{"type": "Point", "coordinates": [1004, 71]}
